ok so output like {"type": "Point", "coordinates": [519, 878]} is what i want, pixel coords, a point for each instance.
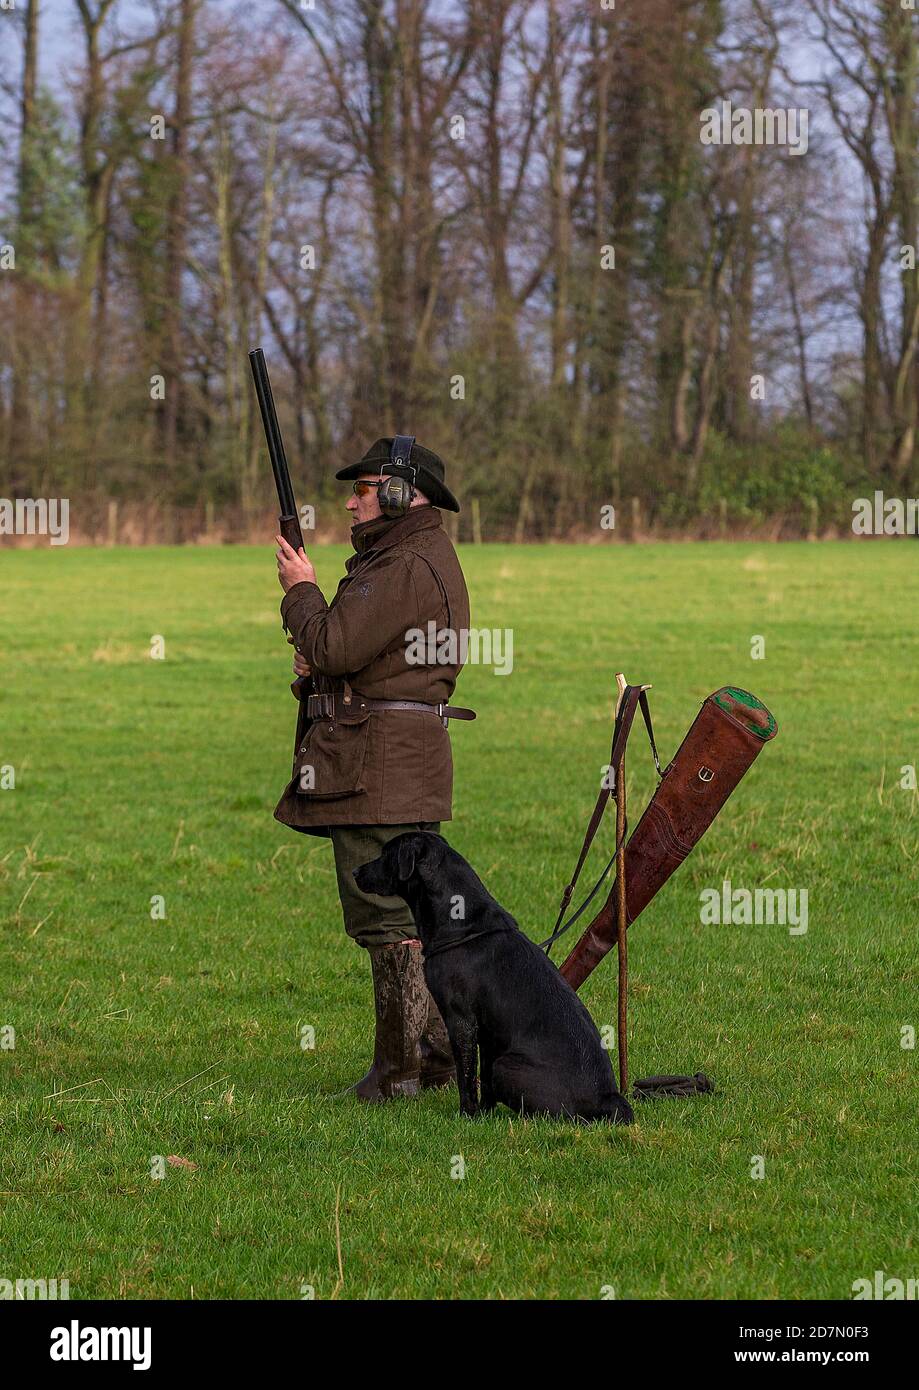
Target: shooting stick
{"type": "Point", "coordinates": [621, 910]}
{"type": "Point", "coordinates": [622, 933]}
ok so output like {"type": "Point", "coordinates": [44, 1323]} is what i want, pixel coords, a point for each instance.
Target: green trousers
{"type": "Point", "coordinates": [371, 920]}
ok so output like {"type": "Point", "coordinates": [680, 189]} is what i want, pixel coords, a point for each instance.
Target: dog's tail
{"type": "Point", "coordinates": [660, 1087]}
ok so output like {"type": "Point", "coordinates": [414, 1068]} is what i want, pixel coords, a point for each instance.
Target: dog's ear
{"type": "Point", "coordinates": [405, 863]}
{"type": "Point", "coordinates": [430, 850]}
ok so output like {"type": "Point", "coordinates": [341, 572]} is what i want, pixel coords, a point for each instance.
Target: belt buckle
{"type": "Point", "coordinates": [440, 708]}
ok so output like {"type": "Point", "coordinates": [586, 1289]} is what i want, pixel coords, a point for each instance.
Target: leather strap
{"type": "Point", "coordinates": [633, 698]}
{"type": "Point", "coordinates": [442, 710]}
{"type": "Point", "coordinates": [338, 706]}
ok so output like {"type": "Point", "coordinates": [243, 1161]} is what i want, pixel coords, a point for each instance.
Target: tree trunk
{"type": "Point", "coordinates": [21, 417]}
{"type": "Point", "coordinates": [740, 347]}
{"type": "Point", "coordinates": [585, 351]}
{"type": "Point", "coordinates": [900, 107]}
{"type": "Point", "coordinates": [176, 232]}
{"type": "Point", "coordinates": [561, 226]}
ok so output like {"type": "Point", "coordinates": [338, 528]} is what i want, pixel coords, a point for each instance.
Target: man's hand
{"type": "Point", "coordinates": [301, 666]}
{"type": "Point", "coordinates": [293, 566]}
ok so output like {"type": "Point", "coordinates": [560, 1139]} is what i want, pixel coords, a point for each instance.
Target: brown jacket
{"type": "Point", "coordinates": [383, 767]}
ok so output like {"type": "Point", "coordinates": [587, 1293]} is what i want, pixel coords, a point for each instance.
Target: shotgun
{"type": "Point", "coordinates": [289, 519]}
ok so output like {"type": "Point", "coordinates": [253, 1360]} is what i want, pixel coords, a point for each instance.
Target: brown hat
{"type": "Point", "coordinates": [429, 476]}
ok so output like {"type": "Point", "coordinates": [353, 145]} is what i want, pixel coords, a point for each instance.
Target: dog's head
{"type": "Point", "coordinates": [415, 854]}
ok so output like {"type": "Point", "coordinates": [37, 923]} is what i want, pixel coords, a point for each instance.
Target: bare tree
{"type": "Point", "coordinates": [20, 424]}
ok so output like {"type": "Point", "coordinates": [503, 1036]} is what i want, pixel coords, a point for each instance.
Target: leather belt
{"type": "Point", "coordinates": [339, 707]}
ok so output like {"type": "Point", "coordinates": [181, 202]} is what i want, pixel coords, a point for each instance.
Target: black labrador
{"type": "Point", "coordinates": [510, 1015]}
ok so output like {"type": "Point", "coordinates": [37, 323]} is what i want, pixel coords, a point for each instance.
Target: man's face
{"type": "Point", "coordinates": [366, 508]}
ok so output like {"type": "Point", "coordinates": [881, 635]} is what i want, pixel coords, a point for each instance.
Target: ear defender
{"type": "Point", "coordinates": [397, 492]}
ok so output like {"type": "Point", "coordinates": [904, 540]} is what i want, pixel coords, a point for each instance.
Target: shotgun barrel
{"type": "Point", "coordinates": [288, 521]}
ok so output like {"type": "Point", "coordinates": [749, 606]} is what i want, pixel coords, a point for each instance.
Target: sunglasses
{"type": "Point", "coordinates": [363, 486]}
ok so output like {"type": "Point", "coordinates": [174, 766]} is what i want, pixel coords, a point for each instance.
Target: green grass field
{"type": "Point", "coordinates": [137, 1037]}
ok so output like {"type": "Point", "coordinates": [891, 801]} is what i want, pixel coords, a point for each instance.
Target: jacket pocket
{"type": "Point", "coordinates": [330, 761]}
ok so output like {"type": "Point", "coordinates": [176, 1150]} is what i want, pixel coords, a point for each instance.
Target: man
{"type": "Point", "coordinates": [372, 757]}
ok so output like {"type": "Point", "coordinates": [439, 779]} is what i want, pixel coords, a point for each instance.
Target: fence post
{"type": "Point", "coordinates": [722, 517]}
{"type": "Point", "coordinates": [636, 518]}
{"type": "Point", "coordinates": [112, 522]}
{"type": "Point", "coordinates": [812, 516]}
{"type": "Point", "coordinates": [476, 521]}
